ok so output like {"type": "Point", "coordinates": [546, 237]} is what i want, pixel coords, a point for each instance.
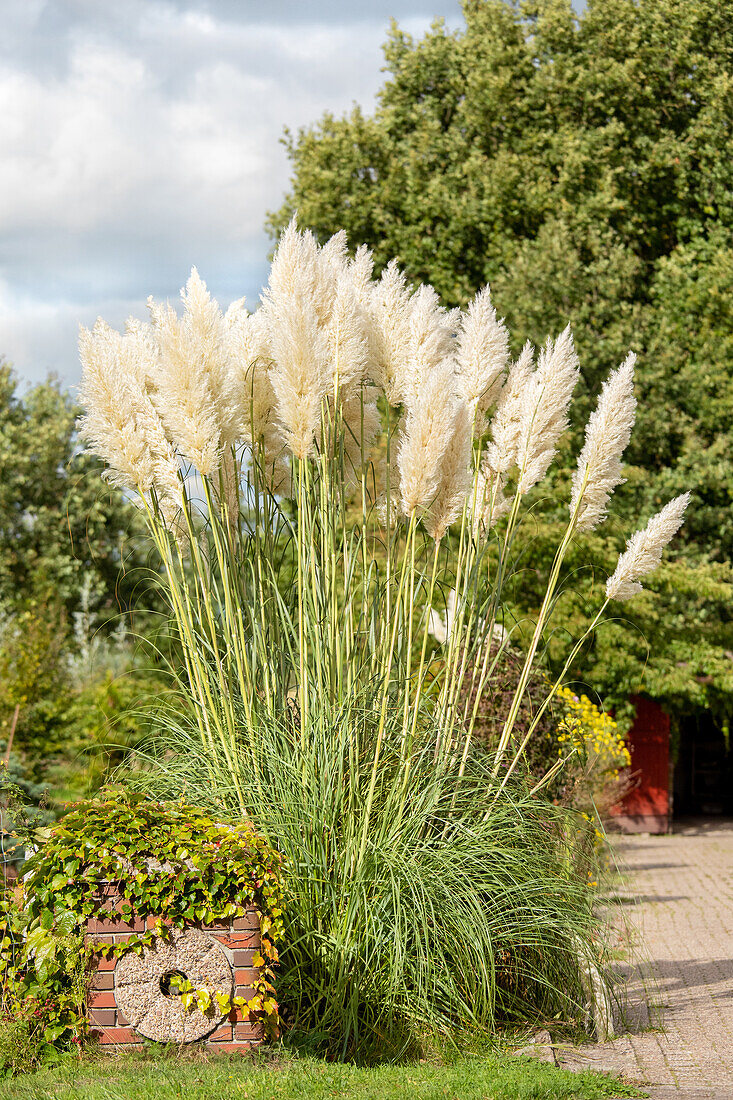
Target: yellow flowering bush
{"type": "Point", "coordinates": [590, 743]}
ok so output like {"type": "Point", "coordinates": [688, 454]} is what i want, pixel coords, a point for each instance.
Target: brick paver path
{"type": "Point", "coordinates": [678, 896]}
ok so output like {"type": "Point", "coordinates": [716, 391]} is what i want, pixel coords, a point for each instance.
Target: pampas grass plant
{"type": "Point", "coordinates": [320, 479]}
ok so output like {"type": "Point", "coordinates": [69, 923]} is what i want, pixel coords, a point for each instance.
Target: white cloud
{"type": "Point", "coordinates": [143, 137]}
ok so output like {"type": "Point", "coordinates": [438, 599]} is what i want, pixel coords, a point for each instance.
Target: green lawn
{"type": "Point", "coordinates": [157, 1076]}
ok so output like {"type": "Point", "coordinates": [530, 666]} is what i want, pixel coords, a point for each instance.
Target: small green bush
{"type": "Point", "coordinates": [18, 1046]}
{"type": "Point", "coordinates": [573, 729]}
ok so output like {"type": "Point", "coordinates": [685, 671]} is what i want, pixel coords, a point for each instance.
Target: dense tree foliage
{"type": "Point", "coordinates": [60, 529]}
{"type": "Point", "coordinates": [580, 165]}
{"type": "Point", "coordinates": [69, 579]}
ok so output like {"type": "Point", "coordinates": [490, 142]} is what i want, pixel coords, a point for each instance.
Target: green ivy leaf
{"type": "Point", "coordinates": [54, 1032]}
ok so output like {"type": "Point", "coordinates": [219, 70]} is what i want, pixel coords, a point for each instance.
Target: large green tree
{"type": "Point", "coordinates": [580, 164]}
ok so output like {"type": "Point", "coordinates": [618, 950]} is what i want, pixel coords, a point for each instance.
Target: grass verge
{"type": "Point", "coordinates": [163, 1075]}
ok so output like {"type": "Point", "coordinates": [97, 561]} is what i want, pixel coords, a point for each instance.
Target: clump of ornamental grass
{"type": "Point", "coordinates": [320, 479]}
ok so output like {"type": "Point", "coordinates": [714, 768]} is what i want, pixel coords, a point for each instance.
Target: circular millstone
{"type": "Point", "coordinates": [140, 981]}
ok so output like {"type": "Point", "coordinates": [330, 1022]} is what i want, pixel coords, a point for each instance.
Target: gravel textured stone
{"type": "Point", "coordinates": [162, 1017]}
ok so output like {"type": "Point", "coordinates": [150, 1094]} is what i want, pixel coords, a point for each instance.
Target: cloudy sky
{"type": "Point", "coordinates": [139, 137]}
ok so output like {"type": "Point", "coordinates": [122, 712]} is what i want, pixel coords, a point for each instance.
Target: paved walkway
{"type": "Point", "coordinates": [678, 897]}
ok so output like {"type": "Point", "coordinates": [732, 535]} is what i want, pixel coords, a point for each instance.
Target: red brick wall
{"type": "Point", "coordinates": [241, 936]}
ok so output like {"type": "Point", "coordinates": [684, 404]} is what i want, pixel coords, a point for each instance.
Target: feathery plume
{"type": "Point", "coordinates": [544, 413]}
{"type": "Point", "coordinates": [411, 335]}
{"type": "Point", "coordinates": [644, 550]}
{"type": "Point", "coordinates": [606, 437]}
{"type": "Point", "coordinates": [331, 264]}
{"type": "Point", "coordinates": [430, 342]}
{"type": "Point", "coordinates": [361, 269]}
{"type": "Point", "coordinates": [299, 372]}
{"type": "Point", "coordinates": [249, 363]}
{"type": "Point", "coordinates": [428, 431]}
{"type": "Point", "coordinates": [481, 356]}
{"type": "Point", "coordinates": [249, 357]}
{"type": "Point", "coordinates": [347, 336]}
{"type": "Point", "coordinates": [295, 267]}
{"type": "Point", "coordinates": [501, 452]}
{"type": "Point", "coordinates": [452, 321]}
{"type": "Point", "coordinates": [455, 475]}
{"type": "Point", "coordinates": [391, 310]}
{"type": "Point", "coordinates": [334, 255]}
{"type": "Point", "coordinates": [121, 424]}
{"type": "Point", "coordinates": [335, 252]}
{"type": "Point", "coordinates": [191, 376]}
{"type": "Point", "coordinates": [360, 272]}
{"type": "Point", "coordinates": [298, 342]}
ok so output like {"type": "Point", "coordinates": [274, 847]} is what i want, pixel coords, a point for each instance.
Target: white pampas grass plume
{"type": "Point", "coordinates": [191, 376]}
{"type": "Point", "coordinates": [411, 335]}
{"type": "Point", "coordinates": [331, 264]}
{"type": "Point", "coordinates": [334, 257]}
{"type": "Point", "coordinates": [430, 342]}
{"type": "Point", "coordinates": [501, 452]}
{"type": "Point", "coordinates": [481, 356]}
{"type": "Point", "coordinates": [544, 414]}
{"type": "Point", "coordinates": [249, 364]}
{"type": "Point", "coordinates": [315, 313]}
{"type": "Point", "coordinates": [428, 431]}
{"type": "Point", "coordinates": [335, 252]}
{"type": "Point", "coordinates": [347, 335]}
{"type": "Point", "coordinates": [360, 272]}
{"type": "Point", "coordinates": [249, 358]}
{"type": "Point", "coordinates": [294, 310]}
{"type": "Point", "coordinates": [452, 321]}
{"type": "Point", "coordinates": [390, 312]}
{"type": "Point", "coordinates": [455, 475]}
{"type": "Point", "coordinates": [644, 550]}
{"type": "Point", "coordinates": [300, 267]}
{"type": "Point", "coordinates": [299, 374]}
{"type": "Point", "coordinates": [362, 269]}
{"type": "Point", "coordinates": [121, 424]}
{"type": "Point", "coordinates": [295, 265]}
{"type": "Point", "coordinates": [606, 437]}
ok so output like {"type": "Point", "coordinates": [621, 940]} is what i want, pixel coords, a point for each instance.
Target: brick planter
{"type": "Point", "coordinates": [226, 950]}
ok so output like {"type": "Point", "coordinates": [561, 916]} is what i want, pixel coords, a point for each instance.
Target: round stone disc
{"type": "Point", "coordinates": [161, 1016]}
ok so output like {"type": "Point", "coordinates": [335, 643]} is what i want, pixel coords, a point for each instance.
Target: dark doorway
{"type": "Point", "coordinates": [704, 769]}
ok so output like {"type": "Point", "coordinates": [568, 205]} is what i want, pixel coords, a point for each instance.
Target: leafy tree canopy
{"type": "Point", "coordinates": [61, 531]}
{"type": "Point", "coordinates": [580, 165]}
{"type": "Point", "coordinates": [70, 575]}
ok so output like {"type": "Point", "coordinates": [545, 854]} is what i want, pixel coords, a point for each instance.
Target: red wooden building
{"type": "Point", "coordinates": [648, 807]}
{"type": "Point", "coordinates": [698, 783]}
